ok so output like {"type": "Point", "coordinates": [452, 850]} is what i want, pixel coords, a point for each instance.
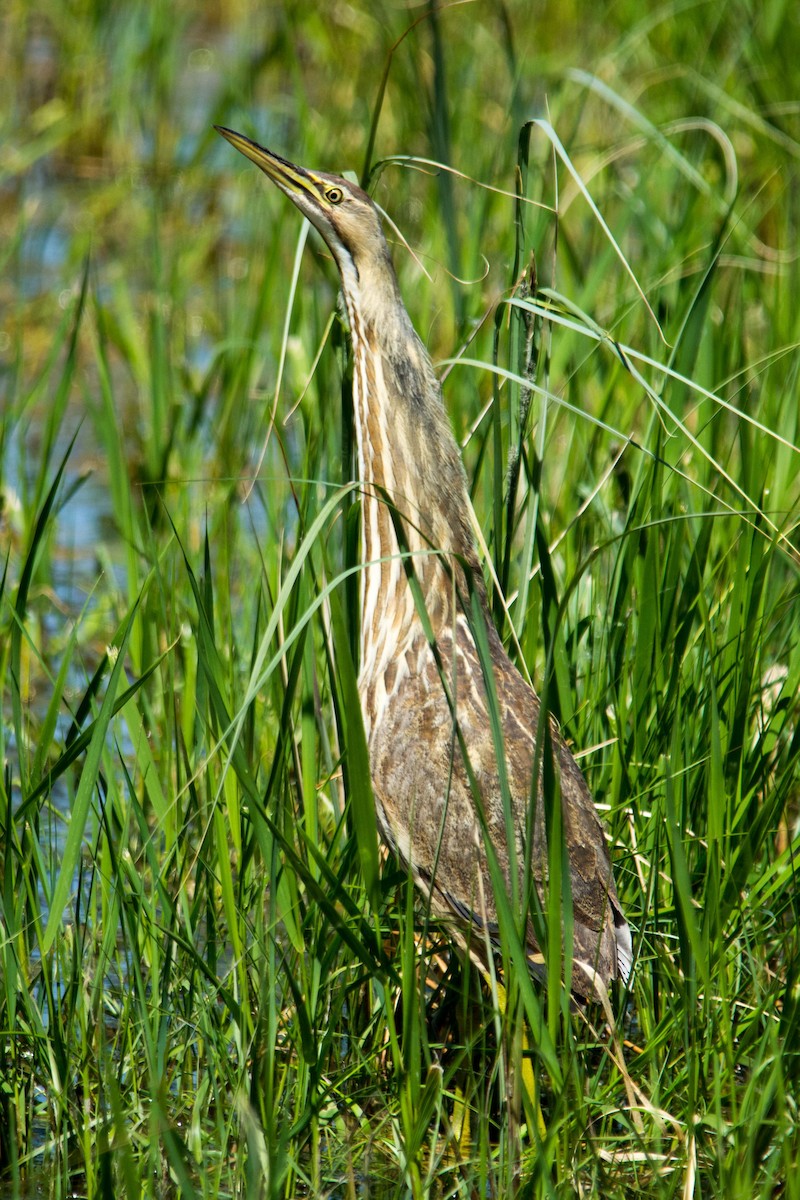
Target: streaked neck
{"type": "Point", "coordinates": [412, 474]}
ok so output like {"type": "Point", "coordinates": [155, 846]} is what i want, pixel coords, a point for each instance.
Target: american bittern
{"type": "Point", "coordinates": [433, 750]}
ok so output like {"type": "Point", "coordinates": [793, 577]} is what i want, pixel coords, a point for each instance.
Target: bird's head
{"type": "Point", "coordinates": [341, 211]}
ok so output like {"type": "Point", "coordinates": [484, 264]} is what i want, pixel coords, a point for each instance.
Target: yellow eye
{"type": "Point", "coordinates": [334, 195]}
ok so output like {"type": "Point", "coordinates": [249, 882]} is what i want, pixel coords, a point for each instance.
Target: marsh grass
{"type": "Point", "coordinates": [211, 982]}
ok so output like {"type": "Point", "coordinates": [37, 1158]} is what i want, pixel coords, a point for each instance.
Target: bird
{"type": "Point", "coordinates": [453, 730]}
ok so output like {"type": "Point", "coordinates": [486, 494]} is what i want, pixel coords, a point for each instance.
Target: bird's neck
{"type": "Point", "coordinates": [414, 504]}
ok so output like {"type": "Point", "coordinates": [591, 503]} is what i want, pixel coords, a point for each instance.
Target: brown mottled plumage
{"type": "Point", "coordinates": [410, 688]}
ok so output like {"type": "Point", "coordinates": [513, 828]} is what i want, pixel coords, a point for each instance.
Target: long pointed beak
{"type": "Point", "coordinates": [292, 179]}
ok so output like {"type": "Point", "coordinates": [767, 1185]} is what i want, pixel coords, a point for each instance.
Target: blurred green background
{"type": "Point", "coordinates": [176, 624]}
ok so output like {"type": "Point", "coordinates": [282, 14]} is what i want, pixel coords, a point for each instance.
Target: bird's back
{"type": "Point", "coordinates": [428, 806]}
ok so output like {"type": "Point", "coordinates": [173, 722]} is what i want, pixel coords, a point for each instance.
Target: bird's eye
{"type": "Point", "coordinates": [334, 195]}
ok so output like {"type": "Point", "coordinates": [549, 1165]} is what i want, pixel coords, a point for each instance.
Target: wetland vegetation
{"type": "Point", "coordinates": [211, 983]}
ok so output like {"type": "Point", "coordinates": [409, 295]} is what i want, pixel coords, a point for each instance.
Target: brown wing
{"type": "Point", "coordinates": [427, 811]}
